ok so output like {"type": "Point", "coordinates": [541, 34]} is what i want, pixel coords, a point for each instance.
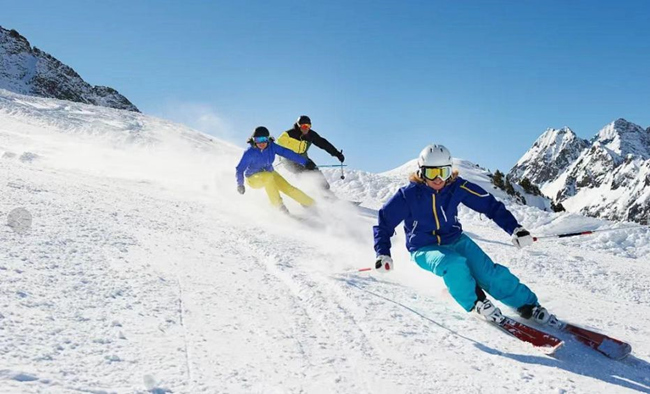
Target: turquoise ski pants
{"type": "Point", "coordinates": [463, 265]}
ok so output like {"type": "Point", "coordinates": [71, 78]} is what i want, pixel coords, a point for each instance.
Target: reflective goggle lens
{"type": "Point", "coordinates": [259, 140]}
{"type": "Point", "coordinates": [432, 173]}
{"type": "Point", "coordinates": [305, 126]}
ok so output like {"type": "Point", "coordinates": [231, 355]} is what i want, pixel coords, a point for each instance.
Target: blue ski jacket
{"type": "Point", "coordinates": [431, 217]}
{"type": "Point", "coordinates": [255, 160]}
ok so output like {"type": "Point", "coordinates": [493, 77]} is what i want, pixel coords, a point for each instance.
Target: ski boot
{"type": "Point", "coordinates": [540, 315]}
{"type": "Point", "coordinates": [490, 312]}
{"type": "Point", "coordinates": [284, 210]}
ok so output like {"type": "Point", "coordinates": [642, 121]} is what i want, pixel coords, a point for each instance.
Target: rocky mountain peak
{"type": "Point", "coordinates": [625, 138]}
{"type": "Point", "coordinates": [605, 177]}
{"type": "Point", "coordinates": [28, 70]}
{"type": "Point", "coordinates": [551, 153]}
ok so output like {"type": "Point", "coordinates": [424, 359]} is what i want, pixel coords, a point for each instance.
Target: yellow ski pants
{"type": "Point", "coordinates": [274, 183]}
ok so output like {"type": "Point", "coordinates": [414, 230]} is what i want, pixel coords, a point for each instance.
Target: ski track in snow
{"type": "Point", "coordinates": [151, 284]}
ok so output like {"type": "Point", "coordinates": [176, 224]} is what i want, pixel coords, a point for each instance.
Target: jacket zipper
{"type": "Point", "coordinates": [435, 216]}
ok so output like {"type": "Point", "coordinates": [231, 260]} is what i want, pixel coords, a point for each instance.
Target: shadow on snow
{"type": "Point", "coordinates": [632, 373]}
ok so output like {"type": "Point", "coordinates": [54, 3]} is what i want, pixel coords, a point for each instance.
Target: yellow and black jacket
{"type": "Point", "coordinates": [296, 141]}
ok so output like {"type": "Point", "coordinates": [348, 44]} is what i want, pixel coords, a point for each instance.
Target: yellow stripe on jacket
{"type": "Point", "coordinates": [435, 215]}
{"type": "Point", "coordinates": [472, 191]}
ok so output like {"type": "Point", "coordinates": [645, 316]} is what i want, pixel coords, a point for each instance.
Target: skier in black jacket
{"type": "Point", "coordinates": [299, 139]}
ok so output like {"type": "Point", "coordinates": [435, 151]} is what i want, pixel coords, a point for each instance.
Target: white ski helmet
{"type": "Point", "coordinates": [434, 156]}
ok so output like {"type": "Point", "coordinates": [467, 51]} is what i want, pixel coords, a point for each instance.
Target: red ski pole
{"type": "Point", "coordinates": [356, 270]}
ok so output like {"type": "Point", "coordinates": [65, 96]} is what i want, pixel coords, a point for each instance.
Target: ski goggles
{"type": "Point", "coordinates": [260, 140]}
{"type": "Point", "coordinates": [432, 173]}
{"type": "Point", "coordinates": [305, 126]}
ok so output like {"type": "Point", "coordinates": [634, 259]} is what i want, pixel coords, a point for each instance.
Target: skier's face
{"type": "Point", "coordinates": [261, 142]}
{"type": "Point", "coordinates": [304, 128]}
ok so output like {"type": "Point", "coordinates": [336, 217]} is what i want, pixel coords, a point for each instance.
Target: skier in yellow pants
{"type": "Point", "coordinates": [274, 183]}
{"type": "Point", "coordinates": [256, 165]}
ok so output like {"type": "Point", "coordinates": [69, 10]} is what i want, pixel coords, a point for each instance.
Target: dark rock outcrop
{"type": "Point", "coordinates": [28, 70]}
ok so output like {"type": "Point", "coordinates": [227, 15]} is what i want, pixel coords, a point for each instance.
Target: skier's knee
{"type": "Point", "coordinates": [452, 266]}
{"type": "Point", "coordinates": [503, 283]}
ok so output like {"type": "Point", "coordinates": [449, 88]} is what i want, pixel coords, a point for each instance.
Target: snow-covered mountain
{"type": "Point", "coordinates": [28, 70]}
{"type": "Point", "coordinates": [606, 177]}
{"type": "Point", "coordinates": [144, 271]}
{"type": "Point", "coordinates": [550, 155]}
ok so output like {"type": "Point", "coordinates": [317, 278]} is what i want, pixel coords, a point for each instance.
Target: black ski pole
{"type": "Point", "coordinates": [587, 232]}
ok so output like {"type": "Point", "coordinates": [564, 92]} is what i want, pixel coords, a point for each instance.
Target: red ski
{"type": "Point", "coordinates": [608, 346]}
{"type": "Point", "coordinates": [526, 333]}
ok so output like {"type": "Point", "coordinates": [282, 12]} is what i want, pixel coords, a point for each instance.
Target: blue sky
{"type": "Point", "coordinates": [380, 79]}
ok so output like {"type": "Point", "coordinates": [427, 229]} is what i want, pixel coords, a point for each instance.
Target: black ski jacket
{"type": "Point", "coordinates": [296, 141]}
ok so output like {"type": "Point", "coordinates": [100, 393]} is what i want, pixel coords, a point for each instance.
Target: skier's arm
{"type": "Point", "coordinates": [241, 167]}
{"type": "Point", "coordinates": [481, 201]}
{"type": "Point", "coordinates": [390, 216]}
{"type": "Point", "coordinates": [289, 154]}
{"type": "Point", "coordinates": [323, 144]}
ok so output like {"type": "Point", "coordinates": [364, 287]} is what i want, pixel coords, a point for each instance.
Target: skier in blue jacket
{"type": "Point", "coordinates": [428, 206]}
{"type": "Point", "coordinates": [256, 165]}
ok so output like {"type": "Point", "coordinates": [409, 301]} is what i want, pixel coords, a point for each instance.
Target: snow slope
{"type": "Point", "coordinates": [144, 271]}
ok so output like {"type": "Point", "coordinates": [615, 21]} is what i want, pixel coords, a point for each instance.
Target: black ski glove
{"type": "Point", "coordinates": [340, 157]}
{"type": "Point", "coordinates": [310, 165]}
{"type": "Point", "coordinates": [241, 189]}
